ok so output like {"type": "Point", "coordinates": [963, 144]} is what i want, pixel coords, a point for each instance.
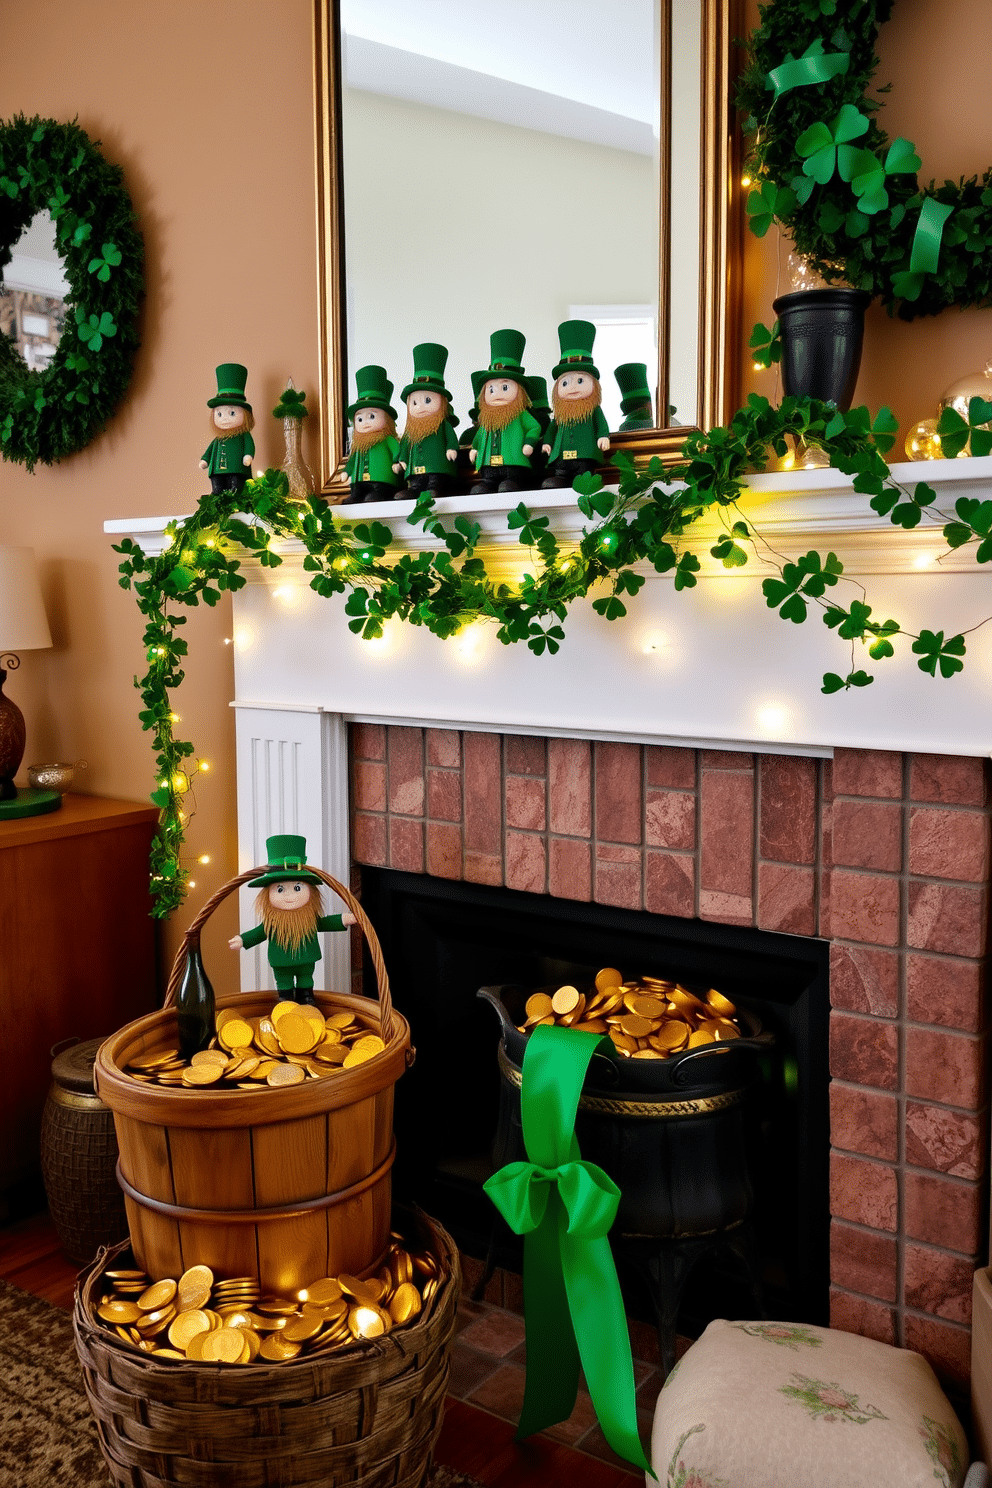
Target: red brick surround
{"type": "Point", "coordinates": [886, 855]}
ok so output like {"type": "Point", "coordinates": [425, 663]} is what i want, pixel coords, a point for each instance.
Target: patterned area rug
{"type": "Point", "coordinates": [47, 1435]}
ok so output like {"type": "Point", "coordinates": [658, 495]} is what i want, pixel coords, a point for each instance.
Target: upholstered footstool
{"type": "Point", "coordinates": [771, 1405]}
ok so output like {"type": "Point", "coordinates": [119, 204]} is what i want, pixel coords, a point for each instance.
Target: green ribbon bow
{"type": "Point", "coordinates": [925, 251]}
{"type": "Point", "coordinates": [564, 1207]}
{"type": "Point", "coordinates": [814, 66]}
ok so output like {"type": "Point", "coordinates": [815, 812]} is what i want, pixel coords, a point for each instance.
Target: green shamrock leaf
{"type": "Point", "coordinates": [935, 653]}
{"type": "Point", "coordinates": [101, 267]}
{"type": "Point", "coordinates": [291, 405]}
{"type": "Point", "coordinates": [826, 146]}
{"type": "Point", "coordinates": [766, 345]}
{"type": "Point", "coordinates": [765, 205]}
{"type": "Point", "coordinates": [93, 330]}
{"type": "Point", "coordinates": [902, 158]}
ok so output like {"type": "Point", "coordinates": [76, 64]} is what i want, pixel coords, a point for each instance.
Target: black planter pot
{"type": "Point", "coordinates": [822, 334]}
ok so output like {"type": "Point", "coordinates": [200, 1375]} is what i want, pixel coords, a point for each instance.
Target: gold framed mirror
{"type": "Point", "coordinates": [658, 153]}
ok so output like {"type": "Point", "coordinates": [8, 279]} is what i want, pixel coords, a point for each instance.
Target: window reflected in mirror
{"type": "Point", "coordinates": [32, 294]}
{"type": "Point", "coordinates": [501, 169]}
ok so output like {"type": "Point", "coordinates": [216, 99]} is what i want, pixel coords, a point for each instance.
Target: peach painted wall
{"type": "Point", "coordinates": [939, 100]}
{"type": "Point", "coordinates": [202, 106]}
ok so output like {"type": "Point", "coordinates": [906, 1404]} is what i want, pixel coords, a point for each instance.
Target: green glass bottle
{"type": "Point", "coordinates": [194, 1006]}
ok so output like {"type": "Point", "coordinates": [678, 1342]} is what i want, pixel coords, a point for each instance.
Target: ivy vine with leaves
{"type": "Point", "coordinates": [647, 520]}
{"type": "Point", "coordinates": [825, 170]}
{"type": "Point", "coordinates": [44, 165]}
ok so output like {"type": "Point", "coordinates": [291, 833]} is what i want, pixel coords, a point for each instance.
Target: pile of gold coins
{"type": "Point", "coordinates": [231, 1322]}
{"type": "Point", "coordinates": [647, 1019]}
{"type": "Point", "coordinates": [295, 1042]}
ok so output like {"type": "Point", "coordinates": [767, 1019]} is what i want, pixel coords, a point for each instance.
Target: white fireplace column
{"type": "Point", "coordinates": [292, 765]}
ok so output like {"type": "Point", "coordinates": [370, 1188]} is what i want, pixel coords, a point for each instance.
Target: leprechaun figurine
{"type": "Point", "coordinates": [428, 448]}
{"type": "Point", "coordinates": [374, 446]}
{"type": "Point", "coordinates": [290, 909]}
{"type": "Point", "coordinates": [227, 459]}
{"type": "Point", "coordinates": [579, 429]}
{"type": "Point", "coordinates": [508, 432]}
{"type": "Point", "coordinates": [540, 409]}
{"type": "Point", "coordinates": [635, 396]}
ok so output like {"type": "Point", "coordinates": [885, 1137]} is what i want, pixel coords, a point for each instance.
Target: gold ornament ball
{"type": "Point", "coordinates": [923, 441]}
{"type": "Point", "coordinates": [959, 395]}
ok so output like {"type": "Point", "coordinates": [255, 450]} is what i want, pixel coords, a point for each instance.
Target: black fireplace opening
{"type": "Point", "coordinates": [442, 940]}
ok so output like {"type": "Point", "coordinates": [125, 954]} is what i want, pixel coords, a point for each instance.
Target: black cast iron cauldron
{"type": "Point", "coordinates": [669, 1132]}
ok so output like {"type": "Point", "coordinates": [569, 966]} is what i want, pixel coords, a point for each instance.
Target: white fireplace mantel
{"type": "Point", "coordinates": [710, 667]}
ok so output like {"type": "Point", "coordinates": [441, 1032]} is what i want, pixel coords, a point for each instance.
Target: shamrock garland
{"type": "Point", "coordinates": [642, 521]}
{"type": "Point", "coordinates": [47, 415]}
{"type": "Point", "coordinates": [825, 170]}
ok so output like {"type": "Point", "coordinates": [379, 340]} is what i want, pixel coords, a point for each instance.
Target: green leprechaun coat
{"type": "Point", "coordinates": [305, 955]}
{"type": "Point", "coordinates": [375, 464]}
{"type": "Point", "coordinates": [427, 456]}
{"type": "Point", "coordinates": [224, 456]}
{"type": "Point", "coordinates": [505, 446]}
{"type": "Point", "coordinates": [577, 441]}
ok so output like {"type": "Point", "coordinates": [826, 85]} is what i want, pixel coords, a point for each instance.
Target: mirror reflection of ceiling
{"type": "Point", "coordinates": [558, 69]}
{"type": "Point", "coordinates": [32, 290]}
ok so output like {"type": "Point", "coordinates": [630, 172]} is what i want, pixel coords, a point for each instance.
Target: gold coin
{"type": "Point", "coordinates": [155, 1060]}
{"type": "Point", "coordinates": [357, 1056]}
{"type": "Point", "coordinates": [285, 1074]}
{"type": "Point", "coordinates": [339, 1020]}
{"type": "Point", "coordinates": [366, 1322]}
{"type": "Point", "coordinates": [164, 1353]}
{"type": "Point", "coordinates": [400, 1268]}
{"type": "Point", "coordinates": [232, 1283]}
{"type": "Point", "coordinates": [201, 1074]}
{"type": "Point", "coordinates": [644, 1006]}
{"type": "Point", "coordinates": [565, 1000]}
{"type": "Point", "coordinates": [332, 1035]}
{"type": "Point", "coordinates": [610, 1003]}
{"type": "Point", "coordinates": [701, 1036]}
{"type": "Point", "coordinates": [253, 1343]}
{"type": "Point", "coordinates": [195, 1277]}
{"type": "Point", "coordinates": [306, 1326]}
{"type": "Point", "coordinates": [210, 1056]}
{"type": "Point", "coordinates": [312, 1014]}
{"type": "Point", "coordinates": [327, 1289]}
{"type": "Point", "coordinates": [635, 1027]}
{"type": "Point", "coordinates": [261, 1070]}
{"type": "Point", "coordinates": [128, 1276]}
{"type": "Point", "coordinates": [281, 1008]}
{"type": "Point", "coordinates": [194, 1349]}
{"type": "Point", "coordinates": [277, 1347]}
{"type": "Point", "coordinates": [266, 1039]}
{"type": "Point", "coordinates": [158, 1295]}
{"type": "Point", "coordinates": [224, 1015]}
{"type": "Point", "coordinates": [351, 1286]}
{"type": "Point", "coordinates": [296, 1035]}
{"type": "Point", "coordinates": [370, 1043]}
{"type": "Point", "coordinates": [648, 1053]}
{"type": "Point", "coordinates": [223, 1347]}
{"type": "Point", "coordinates": [539, 1005]}
{"type": "Point", "coordinates": [671, 1034]}
{"type": "Point", "coordinates": [236, 1034]}
{"type": "Point", "coordinates": [186, 1326]}
{"type": "Point", "coordinates": [278, 1306]}
{"type": "Point", "coordinates": [608, 978]}
{"type": "Point", "coordinates": [405, 1304]}
{"type": "Point", "coordinates": [720, 1004]}
{"type": "Point", "coordinates": [118, 1312]}
{"type": "Point", "coordinates": [331, 1055]}
{"type": "Point", "coordinates": [430, 1287]}
{"type": "Point", "coordinates": [724, 1030]}
{"type": "Point", "coordinates": [687, 1001]}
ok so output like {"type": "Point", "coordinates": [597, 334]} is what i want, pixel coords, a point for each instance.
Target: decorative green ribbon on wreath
{"type": "Point", "coordinates": [564, 1207]}
{"type": "Point", "coordinates": [814, 66]}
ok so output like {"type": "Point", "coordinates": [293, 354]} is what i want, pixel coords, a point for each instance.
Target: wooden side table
{"type": "Point", "coordinates": [77, 950]}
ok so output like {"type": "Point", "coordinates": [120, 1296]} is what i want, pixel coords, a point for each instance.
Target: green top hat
{"type": "Point", "coordinates": [505, 350]}
{"type": "Point", "coordinates": [575, 338]}
{"type": "Point", "coordinates": [537, 387]}
{"type": "Point", "coordinates": [429, 362]}
{"type": "Point", "coordinates": [287, 855]}
{"type": "Point", "coordinates": [374, 391]}
{"type": "Point", "coordinates": [632, 380]}
{"type": "Point", "coordinates": [231, 379]}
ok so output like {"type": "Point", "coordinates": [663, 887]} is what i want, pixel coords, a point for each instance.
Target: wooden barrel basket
{"type": "Point", "coordinates": [287, 1183]}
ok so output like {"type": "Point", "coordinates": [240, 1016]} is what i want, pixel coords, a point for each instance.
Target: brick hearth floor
{"type": "Point", "coordinates": [486, 1388]}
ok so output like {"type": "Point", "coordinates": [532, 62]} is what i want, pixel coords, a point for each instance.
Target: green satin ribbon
{"type": "Point", "coordinates": [564, 1207]}
{"type": "Point", "coordinates": [814, 66]}
{"type": "Point", "coordinates": [925, 252]}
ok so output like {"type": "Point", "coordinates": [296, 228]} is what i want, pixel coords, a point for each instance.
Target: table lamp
{"type": "Point", "coordinates": [23, 627]}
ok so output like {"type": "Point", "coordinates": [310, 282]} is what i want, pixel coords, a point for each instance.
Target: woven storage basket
{"type": "Point", "coordinates": [283, 1184]}
{"type": "Point", "coordinates": [367, 1416]}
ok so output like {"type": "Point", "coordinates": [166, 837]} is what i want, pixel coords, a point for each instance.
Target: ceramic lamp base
{"type": "Point", "coordinates": [30, 803]}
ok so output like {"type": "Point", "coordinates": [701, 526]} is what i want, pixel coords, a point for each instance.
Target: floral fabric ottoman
{"type": "Point", "coordinates": [763, 1405]}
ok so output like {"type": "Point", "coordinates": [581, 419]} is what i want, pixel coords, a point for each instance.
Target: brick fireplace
{"type": "Point", "coordinates": [886, 855]}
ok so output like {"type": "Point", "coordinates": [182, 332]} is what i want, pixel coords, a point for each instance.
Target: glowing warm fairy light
{"type": "Point", "coordinates": [228, 640]}
{"type": "Point", "coordinates": [341, 563]}
{"type": "Point", "coordinates": [773, 717]}
{"type": "Point", "coordinates": [745, 181]}
{"type": "Point", "coordinates": [757, 367]}
{"type": "Point", "coordinates": [175, 718]}
{"type": "Point", "coordinates": [180, 783]}
{"type": "Point", "coordinates": [923, 560]}
{"type": "Point", "coordinates": [468, 644]}
{"type": "Point", "coordinates": [654, 642]}
{"type": "Point", "coordinates": [204, 858]}
{"type": "Point", "coordinates": [203, 764]}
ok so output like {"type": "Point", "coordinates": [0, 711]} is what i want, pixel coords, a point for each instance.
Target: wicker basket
{"type": "Point", "coordinates": [281, 1184]}
{"type": "Point", "coordinates": [367, 1416]}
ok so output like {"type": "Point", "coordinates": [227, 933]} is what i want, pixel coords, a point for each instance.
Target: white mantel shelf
{"type": "Point", "coordinates": [712, 666]}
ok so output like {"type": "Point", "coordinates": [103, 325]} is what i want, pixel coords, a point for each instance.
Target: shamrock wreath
{"type": "Point", "coordinates": [47, 165]}
{"type": "Point", "coordinates": [824, 170]}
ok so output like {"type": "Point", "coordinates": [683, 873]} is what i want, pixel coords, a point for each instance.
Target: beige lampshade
{"type": "Point", "coordinates": [23, 622]}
